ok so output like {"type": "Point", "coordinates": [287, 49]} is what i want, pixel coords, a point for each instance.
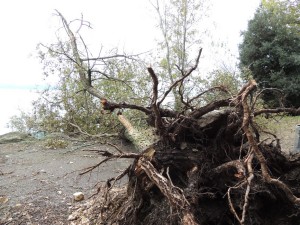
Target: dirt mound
{"type": "Point", "coordinates": [14, 137]}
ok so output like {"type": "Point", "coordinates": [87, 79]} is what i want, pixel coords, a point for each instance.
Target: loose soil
{"type": "Point", "coordinates": [37, 184]}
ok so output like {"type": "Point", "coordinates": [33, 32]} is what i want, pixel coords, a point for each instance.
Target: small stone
{"type": "Point", "coordinates": [72, 217]}
{"type": "Point", "coordinates": [84, 220]}
{"type": "Point", "coordinates": [183, 145]}
{"type": "Point", "coordinates": [59, 192]}
{"type": "Point", "coordinates": [3, 199]}
{"type": "Point", "coordinates": [78, 196]}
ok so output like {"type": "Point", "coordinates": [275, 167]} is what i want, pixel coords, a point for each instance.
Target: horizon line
{"type": "Point", "coordinates": [29, 87]}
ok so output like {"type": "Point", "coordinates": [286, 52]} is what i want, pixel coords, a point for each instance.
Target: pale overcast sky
{"type": "Point", "coordinates": [126, 24]}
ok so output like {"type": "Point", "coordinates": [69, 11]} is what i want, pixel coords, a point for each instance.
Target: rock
{"type": "Point", "coordinates": [78, 196]}
{"type": "Point", "coordinates": [84, 220]}
{"type": "Point", "coordinates": [39, 134]}
{"type": "Point", "coordinates": [183, 145]}
{"type": "Point", "coordinates": [211, 117]}
{"type": "Point", "coordinates": [13, 137]}
{"type": "Point", "coordinates": [72, 217]}
{"type": "Point", "coordinates": [3, 199]}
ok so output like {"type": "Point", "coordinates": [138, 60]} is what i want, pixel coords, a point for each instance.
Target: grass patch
{"type": "Point", "coordinates": [52, 143]}
{"type": "Point", "coordinates": [283, 127]}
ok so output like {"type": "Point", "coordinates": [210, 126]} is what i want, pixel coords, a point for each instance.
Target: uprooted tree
{"type": "Point", "coordinates": [207, 164]}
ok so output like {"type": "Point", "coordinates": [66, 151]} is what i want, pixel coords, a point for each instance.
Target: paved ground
{"type": "Point", "coordinates": [37, 184]}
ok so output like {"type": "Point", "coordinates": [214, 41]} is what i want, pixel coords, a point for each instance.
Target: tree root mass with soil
{"type": "Point", "coordinates": [209, 165]}
{"type": "Point", "coordinates": [212, 172]}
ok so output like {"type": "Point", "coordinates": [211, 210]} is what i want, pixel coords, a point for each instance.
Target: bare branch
{"type": "Point", "coordinates": [220, 88]}
{"type": "Point", "coordinates": [181, 79]}
{"type": "Point", "coordinates": [154, 105]}
{"type": "Point", "coordinates": [249, 180]}
{"type": "Point", "coordinates": [108, 77]}
{"type": "Point", "coordinates": [264, 90]}
{"type": "Point", "coordinates": [231, 207]}
{"type": "Point", "coordinates": [114, 179]}
{"type": "Point", "coordinates": [111, 106]}
{"type": "Point", "coordinates": [114, 56]}
{"type": "Point", "coordinates": [79, 62]}
{"type": "Point", "coordinates": [109, 157]}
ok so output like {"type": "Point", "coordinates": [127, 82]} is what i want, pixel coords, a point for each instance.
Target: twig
{"type": "Point", "coordinates": [181, 79]}
{"type": "Point", "coordinates": [263, 90]}
{"type": "Point", "coordinates": [249, 180]}
{"type": "Point", "coordinates": [221, 88]}
{"type": "Point", "coordinates": [231, 207]}
{"type": "Point", "coordinates": [116, 147]}
{"type": "Point", "coordinates": [114, 179]}
{"type": "Point", "coordinates": [114, 56]}
{"type": "Point", "coordinates": [109, 157]}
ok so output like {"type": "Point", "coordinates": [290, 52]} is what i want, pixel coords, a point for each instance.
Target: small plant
{"type": "Point", "coordinates": [56, 143]}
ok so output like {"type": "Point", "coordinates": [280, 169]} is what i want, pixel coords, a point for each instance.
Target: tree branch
{"type": "Point", "coordinates": [181, 79]}
{"type": "Point", "coordinates": [154, 105]}
{"type": "Point", "coordinates": [109, 156]}
{"type": "Point", "coordinates": [111, 106]}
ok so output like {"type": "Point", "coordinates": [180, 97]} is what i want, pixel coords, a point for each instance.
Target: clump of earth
{"type": "Point", "coordinates": [37, 180]}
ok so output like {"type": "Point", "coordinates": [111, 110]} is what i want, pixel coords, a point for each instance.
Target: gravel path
{"type": "Point", "coordinates": [37, 184]}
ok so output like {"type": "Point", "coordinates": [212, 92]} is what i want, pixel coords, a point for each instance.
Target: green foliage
{"type": "Point", "coordinates": [271, 49]}
{"type": "Point", "coordinates": [223, 84]}
{"type": "Point", "coordinates": [179, 25]}
{"type": "Point", "coordinates": [55, 143]}
{"type": "Point", "coordinates": [66, 104]}
{"type": "Point", "coordinates": [22, 123]}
